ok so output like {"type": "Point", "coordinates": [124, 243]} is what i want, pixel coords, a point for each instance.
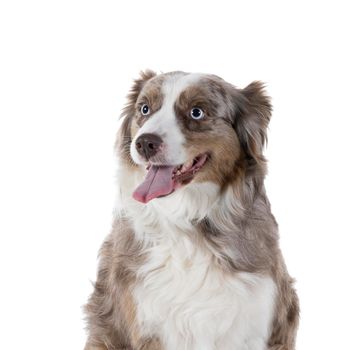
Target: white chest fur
{"type": "Point", "coordinates": [192, 305]}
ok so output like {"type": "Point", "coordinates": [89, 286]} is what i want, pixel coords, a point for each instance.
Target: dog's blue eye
{"type": "Point", "coordinates": [145, 109]}
{"type": "Point", "coordinates": [197, 113]}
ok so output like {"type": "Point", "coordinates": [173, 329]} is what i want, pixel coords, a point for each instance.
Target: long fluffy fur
{"type": "Point", "coordinates": [219, 229]}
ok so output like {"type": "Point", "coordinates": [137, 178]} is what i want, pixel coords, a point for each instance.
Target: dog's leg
{"type": "Point", "coordinates": [278, 347]}
{"type": "Point", "coordinates": [283, 335]}
{"type": "Point", "coordinates": [151, 344]}
{"type": "Point", "coordinates": [90, 346]}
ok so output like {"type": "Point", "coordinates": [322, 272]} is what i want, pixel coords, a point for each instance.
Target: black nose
{"type": "Point", "coordinates": [148, 144]}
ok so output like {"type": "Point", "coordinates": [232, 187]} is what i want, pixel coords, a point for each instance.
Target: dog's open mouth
{"type": "Point", "coordinates": [162, 180]}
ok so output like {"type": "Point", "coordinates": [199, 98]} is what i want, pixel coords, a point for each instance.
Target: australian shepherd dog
{"type": "Point", "coordinates": [193, 260]}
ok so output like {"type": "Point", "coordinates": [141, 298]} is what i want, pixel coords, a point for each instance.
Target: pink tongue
{"type": "Point", "coordinates": [158, 182]}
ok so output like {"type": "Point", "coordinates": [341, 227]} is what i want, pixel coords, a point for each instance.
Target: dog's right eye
{"type": "Point", "coordinates": [197, 113]}
{"type": "Point", "coordinates": [145, 110]}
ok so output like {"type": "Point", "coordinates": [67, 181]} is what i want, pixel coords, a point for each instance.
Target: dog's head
{"type": "Point", "coordinates": [189, 128]}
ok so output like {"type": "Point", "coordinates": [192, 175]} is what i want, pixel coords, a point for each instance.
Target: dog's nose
{"type": "Point", "coordinates": [147, 145]}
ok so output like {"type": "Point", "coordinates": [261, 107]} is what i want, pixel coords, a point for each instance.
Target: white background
{"type": "Point", "coordinates": [65, 69]}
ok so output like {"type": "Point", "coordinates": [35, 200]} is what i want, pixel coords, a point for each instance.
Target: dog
{"type": "Point", "coordinates": [193, 260]}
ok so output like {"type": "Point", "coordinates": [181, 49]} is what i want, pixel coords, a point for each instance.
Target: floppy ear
{"type": "Point", "coordinates": [135, 91]}
{"type": "Point", "coordinates": [124, 134]}
{"type": "Point", "coordinates": [252, 116]}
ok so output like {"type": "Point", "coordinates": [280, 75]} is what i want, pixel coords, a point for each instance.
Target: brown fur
{"type": "Point", "coordinates": [152, 96]}
{"type": "Point", "coordinates": [246, 235]}
{"type": "Point", "coordinates": [110, 310]}
{"type": "Point", "coordinates": [129, 113]}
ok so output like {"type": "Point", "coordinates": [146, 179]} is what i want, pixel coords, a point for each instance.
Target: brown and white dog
{"type": "Point", "coordinates": [193, 261]}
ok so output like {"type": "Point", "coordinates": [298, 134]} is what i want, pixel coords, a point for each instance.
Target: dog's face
{"type": "Point", "coordinates": [187, 128]}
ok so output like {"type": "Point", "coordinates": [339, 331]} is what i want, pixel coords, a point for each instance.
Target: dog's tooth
{"type": "Point", "coordinates": [187, 166]}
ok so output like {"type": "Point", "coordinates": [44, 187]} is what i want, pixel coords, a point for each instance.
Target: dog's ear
{"type": "Point", "coordinates": [252, 116]}
{"type": "Point", "coordinates": [124, 134]}
{"type": "Point", "coordinates": [135, 90]}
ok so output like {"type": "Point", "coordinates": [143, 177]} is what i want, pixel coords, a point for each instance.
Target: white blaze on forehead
{"type": "Point", "coordinates": [164, 122]}
{"type": "Point", "coordinates": [175, 84]}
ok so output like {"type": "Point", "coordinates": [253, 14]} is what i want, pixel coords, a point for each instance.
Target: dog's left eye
{"type": "Point", "coordinates": [145, 110]}
{"type": "Point", "coordinates": [197, 113]}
